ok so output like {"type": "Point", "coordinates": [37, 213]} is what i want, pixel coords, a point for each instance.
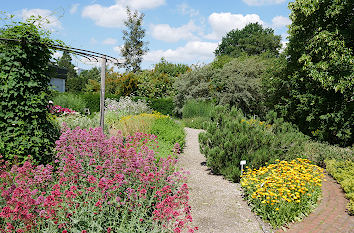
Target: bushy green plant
{"type": "Point", "coordinates": [78, 120]}
{"type": "Point", "coordinates": [92, 101]}
{"type": "Point", "coordinates": [237, 83]}
{"type": "Point", "coordinates": [24, 94]}
{"type": "Point", "coordinates": [162, 105]}
{"type": "Point", "coordinates": [70, 100]}
{"type": "Point", "coordinates": [172, 70]}
{"type": "Point", "coordinates": [194, 108]}
{"type": "Point", "coordinates": [155, 85]}
{"type": "Point", "coordinates": [196, 122]}
{"type": "Point", "coordinates": [343, 172]}
{"type": "Point", "coordinates": [319, 152]}
{"type": "Point", "coordinates": [193, 85]}
{"type": "Point", "coordinates": [230, 138]}
{"type": "Point", "coordinates": [168, 130]}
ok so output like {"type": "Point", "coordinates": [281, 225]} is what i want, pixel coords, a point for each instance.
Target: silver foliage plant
{"type": "Point", "coordinates": [126, 106]}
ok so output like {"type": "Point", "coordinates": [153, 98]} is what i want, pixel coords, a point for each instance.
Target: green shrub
{"type": "Point", "coordinates": [237, 83]}
{"type": "Point", "coordinates": [81, 121]}
{"type": "Point", "coordinates": [196, 122]}
{"type": "Point", "coordinates": [193, 85]}
{"type": "Point", "coordinates": [25, 128]}
{"type": "Point", "coordinates": [168, 131]}
{"type": "Point", "coordinates": [70, 100]}
{"type": "Point", "coordinates": [194, 108]}
{"type": "Point", "coordinates": [92, 101]}
{"type": "Point", "coordinates": [162, 105]}
{"type": "Point", "coordinates": [319, 152]}
{"type": "Point", "coordinates": [343, 172]}
{"type": "Point", "coordinates": [231, 137]}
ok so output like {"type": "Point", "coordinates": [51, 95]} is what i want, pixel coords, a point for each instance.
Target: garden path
{"type": "Point", "coordinates": [217, 204]}
{"type": "Point", "coordinates": [330, 216]}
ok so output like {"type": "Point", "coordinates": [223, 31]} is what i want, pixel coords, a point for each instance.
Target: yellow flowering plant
{"type": "Point", "coordinates": [130, 124]}
{"type": "Point", "coordinates": [284, 191]}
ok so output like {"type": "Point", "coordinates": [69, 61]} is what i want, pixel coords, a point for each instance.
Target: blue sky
{"type": "Point", "coordinates": [182, 31]}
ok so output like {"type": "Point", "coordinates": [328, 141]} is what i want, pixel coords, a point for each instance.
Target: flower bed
{"type": "Point", "coordinates": [60, 111]}
{"type": "Point", "coordinates": [96, 185]}
{"type": "Point", "coordinates": [284, 191]}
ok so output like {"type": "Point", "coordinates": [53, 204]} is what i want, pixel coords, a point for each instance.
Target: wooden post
{"type": "Point", "coordinates": [103, 80]}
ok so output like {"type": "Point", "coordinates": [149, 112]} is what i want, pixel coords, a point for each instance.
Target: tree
{"type": "Point", "coordinates": [319, 75]}
{"type": "Point", "coordinates": [73, 83]}
{"type": "Point", "coordinates": [134, 47]}
{"type": "Point", "coordinates": [253, 39]}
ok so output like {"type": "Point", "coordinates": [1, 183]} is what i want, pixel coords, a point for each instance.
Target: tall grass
{"type": "Point", "coordinates": [194, 108]}
{"type": "Point", "coordinates": [196, 113]}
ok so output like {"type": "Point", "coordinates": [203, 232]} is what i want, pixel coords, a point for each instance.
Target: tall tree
{"type": "Point", "coordinates": [73, 83]}
{"type": "Point", "coordinates": [253, 39]}
{"type": "Point", "coordinates": [134, 47]}
{"type": "Point", "coordinates": [319, 77]}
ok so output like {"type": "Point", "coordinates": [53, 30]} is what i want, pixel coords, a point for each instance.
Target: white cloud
{"type": "Point", "coordinates": [141, 4]}
{"type": "Point", "coordinates": [280, 21]}
{"type": "Point", "coordinates": [283, 45]}
{"type": "Point", "coordinates": [118, 49]}
{"type": "Point", "coordinates": [73, 8]}
{"type": "Point", "coordinates": [48, 20]}
{"type": "Point", "coordinates": [193, 51]}
{"type": "Point", "coordinates": [221, 23]}
{"type": "Point", "coordinates": [109, 41]}
{"type": "Point", "coordinates": [111, 17]}
{"type": "Point", "coordinates": [167, 33]}
{"type": "Point", "coordinates": [185, 9]}
{"type": "Point", "coordinates": [114, 15]}
{"type": "Point", "coordinates": [262, 2]}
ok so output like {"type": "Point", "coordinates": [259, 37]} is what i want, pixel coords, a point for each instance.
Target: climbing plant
{"type": "Point", "coordinates": [25, 128]}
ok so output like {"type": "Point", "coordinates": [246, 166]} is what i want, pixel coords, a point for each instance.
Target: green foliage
{"type": "Point", "coordinates": [168, 131]}
{"type": "Point", "coordinates": [92, 101]}
{"type": "Point", "coordinates": [220, 61]}
{"type": "Point", "coordinates": [193, 85]}
{"type": "Point", "coordinates": [343, 172]}
{"type": "Point", "coordinates": [319, 152]}
{"type": "Point", "coordinates": [194, 108]}
{"type": "Point", "coordinates": [170, 69]}
{"type": "Point", "coordinates": [25, 128]}
{"type": "Point", "coordinates": [231, 137]}
{"type": "Point", "coordinates": [162, 105]}
{"type": "Point", "coordinates": [70, 100]}
{"type": "Point", "coordinates": [154, 84]}
{"type": "Point", "coordinates": [253, 39]}
{"type": "Point", "coordinates": [79, 120]}
{"type": "Point", "coordinates": [134, 47]}
{"type": "Point", "coordinates": [237, 83]}
{"type": "Point", "coordinates": [316, 92]}
{"type": "Point", "coordinates": [196, 122]}
{"type": "Point", "coordinates": [73, 82]}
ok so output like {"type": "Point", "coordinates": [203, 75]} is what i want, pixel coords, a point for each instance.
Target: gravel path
{"type": "Point", "coordinates": [217, 205]}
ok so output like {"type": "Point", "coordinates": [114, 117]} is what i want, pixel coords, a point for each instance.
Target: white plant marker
{"type": "Point", "coordinates": [243, 162]}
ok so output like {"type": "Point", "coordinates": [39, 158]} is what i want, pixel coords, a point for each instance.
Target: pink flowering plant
{"type": "Point", "coordinates": [97, 184]}
{"type": "Point", "coordinates": [60, 111]}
